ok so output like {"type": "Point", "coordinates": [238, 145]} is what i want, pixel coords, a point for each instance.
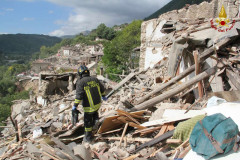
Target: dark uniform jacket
{"type": "Point", "coordinates": [90, 91]}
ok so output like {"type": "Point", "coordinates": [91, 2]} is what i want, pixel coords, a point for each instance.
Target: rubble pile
{"type": "Point", "coordinates": [149, 114]}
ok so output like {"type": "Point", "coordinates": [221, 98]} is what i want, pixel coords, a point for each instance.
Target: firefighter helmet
{"type": "Point", "coordinates": [82, 70]}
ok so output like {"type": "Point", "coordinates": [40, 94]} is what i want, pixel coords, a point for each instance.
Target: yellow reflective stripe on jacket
{"type": "Point", "coordinates": [88, 129]}
{"type": "Point", "coordinates": [99, 91]}
{"type": "Point", "coordinates": [77, 101]}
{"type": "Point", "coordinates": [89, 96]}
{"type": "Point", "coordinates": [92, 109]}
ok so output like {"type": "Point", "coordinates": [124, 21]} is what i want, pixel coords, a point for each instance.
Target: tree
{"type": "Point", "coordinates": [101, 30]}
{"type": "Point", "coordinates": [118, 51]}
{"type": "Point", "coordinates": [105, 32]}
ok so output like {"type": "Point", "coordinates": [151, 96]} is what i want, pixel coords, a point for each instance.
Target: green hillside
{"type": "Point", "coordinates": [22, 44]}
{"type": "Point", "coordinates": [173, 5]}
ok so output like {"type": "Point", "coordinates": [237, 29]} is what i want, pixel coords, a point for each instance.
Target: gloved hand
{"type": "Point", "coordinates": [104, 98]}
{"type": "Point", "coordinates": [75, 113]}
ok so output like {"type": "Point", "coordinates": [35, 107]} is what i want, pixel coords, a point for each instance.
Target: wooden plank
{"type": "Point", "coordinates": [15, 127]}
{"type": "Point", "coordinates": [140, 81]}
{"type": "Point", "coordinates": [154, 141]}
{"type": "Point", "coordinates": [131, 75]}
{"type": "Point", "coordinates": [165, 85]}
{"type": "Point", "coordinates": [207, 53]}
{"type": "Point", "coordinates": [132, 157]}
{"type": "Point", "coordinates": [136, 125]}
{"type": "Point", "coordinates": [6, 126]}
{"type": "Point", "coordinates": [108, 124]}
{"type": "Point", "coordinates": [170, 127]}
{"type": "Point", "coordinates": [123, 134]}
{"type": "Point", "coordinates": [184, 152]}
{"type": "Point", "coordinates": [175, 91]}
{"type": "Point", "coordinates": [111, 123]}
{"type": "Point", "coordinates": [128, 115]}
{"type": "Point", "coordinates": [197, 71]}
{"type": "Point", "coordinates": [50, 156]}
{"type": "Point", "coordinates": [162, 131]}
{"type": "Point", "coordinates": [183, 144]}
{"type": "Point", "coordinates": [132, 124]}
{"type": "Point", "coordinates": [147, 130]}
{"type": "Point", "coordinates": [174, 141]}
{"type": "Point", "coordinates": [19, 131]}
{"type": "Point", "coordinates": [116, 130]}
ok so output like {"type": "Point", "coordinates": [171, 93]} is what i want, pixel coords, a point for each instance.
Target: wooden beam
{"type": "Point", "coordinates": [15, 127]}
{"type": "Point", "coordinates": [197, 71]}
{"type": "Point", "coordinates": [175, 141]}
{"type": "Point", "coordinates": [123, 134]}
{"type": "Point", "coordinates": [176, 90]}
{"type": "Point", "coordinates": [207, 53]}
{"type": "Point", "coordinates": [154, 141]}
{"type": "Point", "coordinates": [162, 130]}
{"type": "Point", "coordinates": [132, 157]}
{"type": "Point", "coordinates": [184, 152]}
{"type": "Point", "coordinates": [120, 113]}
{"type": "Point", "coordinates": [136, 125]}
{"type": "Point", "coordinates": [5, 127]}
{"type": "Point", "coordinates": [50, 156]}
{"type": "Point", "coordinates": [131, 75]}
{"type": "Point", "coordinates": [147, 130]}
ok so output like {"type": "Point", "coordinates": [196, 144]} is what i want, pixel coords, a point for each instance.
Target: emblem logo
{"type": "Point", "coordinates": [222, 23]}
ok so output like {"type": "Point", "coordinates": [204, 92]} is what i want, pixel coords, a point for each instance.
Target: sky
{"type": "Point", "coordinates": [70, 17]}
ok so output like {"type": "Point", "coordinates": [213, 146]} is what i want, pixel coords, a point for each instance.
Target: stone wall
{"type": "Point", "coordinates": [151, 50]}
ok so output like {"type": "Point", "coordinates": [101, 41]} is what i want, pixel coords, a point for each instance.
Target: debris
{"type": "Point", "coordinates": [184, 129]}
{"type": "Point", "coordinates": [37, 133]}
{"type": "Point", "coordinates": [175, 91]}
{"type": "Point", "coordinates": [65, 148]}
{"type": "Point", "coordinates": [183, 63]}
{"type": "Point", "coordinates": [81, 151]}
{"type": "Point", "coordinates": [154, 141]}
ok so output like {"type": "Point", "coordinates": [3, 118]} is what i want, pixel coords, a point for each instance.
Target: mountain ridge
{"type": "Point", "coordinates": [173, 5]}
{"type": "Point", "coordinates": [25, 43]}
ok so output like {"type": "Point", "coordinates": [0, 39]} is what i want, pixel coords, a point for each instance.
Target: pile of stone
{"type": "Point", "coordinates": [183, 63]}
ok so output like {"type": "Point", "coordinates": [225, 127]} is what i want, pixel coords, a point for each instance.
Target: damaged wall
{"type": "Point", "coordinates": [56, 84]}
{"type": "Point", "coordinates": [152, 38]}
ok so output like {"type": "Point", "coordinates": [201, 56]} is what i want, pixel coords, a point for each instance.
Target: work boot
{"type": "Point", "coordinates": [88, 137]}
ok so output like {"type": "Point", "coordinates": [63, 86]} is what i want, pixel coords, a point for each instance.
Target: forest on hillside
{"type": "Point", "coordinates": [173, 5]}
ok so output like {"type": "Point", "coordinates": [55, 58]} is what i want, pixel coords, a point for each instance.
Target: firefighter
{"type": "Point", "coordinates": [89, 92]}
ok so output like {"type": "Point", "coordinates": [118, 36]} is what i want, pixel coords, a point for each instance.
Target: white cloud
{"type": "Point", "coordinates": [28, 19]}
{"type": "Point", "coordinates": [9, 9]}
{"type": "Point", "coordinates": [88, 14]}
{"type": "Point", "coordinates": [50, 12]}
{"type": "Point", "coordinates": [57, 33]}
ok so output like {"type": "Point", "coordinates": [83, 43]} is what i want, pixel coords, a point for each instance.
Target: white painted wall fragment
{"type": "Point", "coordinates": [153, 50]}
{"type": "Point", "coordinates": [41, 101]}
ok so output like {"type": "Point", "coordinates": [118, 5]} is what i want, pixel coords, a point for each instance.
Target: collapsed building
{"type": "Point", "coordinates": [69, 58]}
{"type": "Point", "coordinates": [187, 70]}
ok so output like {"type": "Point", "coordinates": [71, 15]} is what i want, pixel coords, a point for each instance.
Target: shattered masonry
{"type": "Point", "coordinates": [186, 69]}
